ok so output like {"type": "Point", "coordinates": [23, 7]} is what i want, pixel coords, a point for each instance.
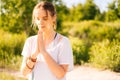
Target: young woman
{"type": "Point", "coordinates": [47, 55]}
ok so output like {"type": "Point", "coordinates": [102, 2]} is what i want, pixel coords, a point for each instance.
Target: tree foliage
{"type": "Point", "coordinates": [76, 13]}
{"type": "Point", "coordinates": [87, 11]}
{"type": "Point", "coordinates": [113, 11]}
{"type": "Point", "coordinates": [16, 15]}
{"type": "Point", "coordinates": [90, 10]}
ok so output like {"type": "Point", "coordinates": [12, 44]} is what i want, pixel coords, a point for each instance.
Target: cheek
{"type": "Point", "coordinates": [50, 24]}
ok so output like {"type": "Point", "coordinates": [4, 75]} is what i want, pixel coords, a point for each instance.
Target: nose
{"type": "Point", "coordinates": [41, 20]}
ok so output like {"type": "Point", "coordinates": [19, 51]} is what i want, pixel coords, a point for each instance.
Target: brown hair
{"type": "Point", "coordinates": [46, 6]}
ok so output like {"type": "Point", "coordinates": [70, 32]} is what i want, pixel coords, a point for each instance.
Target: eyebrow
{"type": "Point", "coordinates": [42, 17]}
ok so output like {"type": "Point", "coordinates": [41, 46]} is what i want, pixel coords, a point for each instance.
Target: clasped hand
{"type": "Point", "coordinates": [40, 42]}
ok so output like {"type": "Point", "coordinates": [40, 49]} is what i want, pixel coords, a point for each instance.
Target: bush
{"type": "Point", "coordinates": [80, 51]}
{"type": "Point", "coordinates": [10, 49]}
{"type": "Point", "coordinates": [106, 55]}
{"type": "Point", "coordinates": [87, 34]}
{"type": "Point", "coordinates": [93, 30]}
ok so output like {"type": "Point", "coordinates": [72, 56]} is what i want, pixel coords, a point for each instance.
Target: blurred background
{"type": "Point", "coordinates": [93, 27]}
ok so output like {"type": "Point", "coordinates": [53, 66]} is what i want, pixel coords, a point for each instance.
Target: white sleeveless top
{"type": "Point", "coordinates": [59, 50]}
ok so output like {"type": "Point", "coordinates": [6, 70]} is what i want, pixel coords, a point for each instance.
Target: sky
{"type": "Point", "coordinates": [102, 4]}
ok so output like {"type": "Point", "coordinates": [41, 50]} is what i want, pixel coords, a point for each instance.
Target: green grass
{"type": "Point", "coordinates": [11, 46]}
{"type": "Point", "coordinates": [12, 62]}
{"type": "Point", "coordinates": [7, 76]}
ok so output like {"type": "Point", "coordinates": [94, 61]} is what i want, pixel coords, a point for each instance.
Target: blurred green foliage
{"type": "Point", "coordinates": [84, 24]}
{"type": "Point", "coordinates": [80, 50]}
{"type": "Point", "coordinates": [11, 46]}
{"type": "Point", "coordinates": [106, 55]}
{"type": "Point", "coordinates": [86, 36]}
{"type": "Point", "coordinates": [16, 15]}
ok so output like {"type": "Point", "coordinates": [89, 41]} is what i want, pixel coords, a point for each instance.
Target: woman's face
{"type": "Point", "coordinates": [44, 20]}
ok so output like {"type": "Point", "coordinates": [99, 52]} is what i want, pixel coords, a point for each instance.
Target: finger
{"type": "Point", "coordinates": [38, 45]}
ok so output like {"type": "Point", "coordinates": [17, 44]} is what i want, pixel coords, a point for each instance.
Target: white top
{"type": "Point", "coordinates": [59, 49]}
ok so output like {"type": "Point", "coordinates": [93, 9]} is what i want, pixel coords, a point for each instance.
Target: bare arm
{"type": "Point", "coordinates": [27, 65]}
{"type": "Point", "coordinates": [24, 69]}
{"type": "Point", "coordinates": [58, 70]}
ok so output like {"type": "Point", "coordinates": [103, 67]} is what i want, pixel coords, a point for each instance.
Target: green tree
{"type": "Point", "coordinates": [90, 10]}
{"type": "Point", "coordinates": [113, 11]}
{"type": "Point", "coordinates": [62, 14]}
{"type": "Point", "coordinates": [85, 11]}
{"type": "Point", "coordinates": [16, 15]}
{"type": "Point", "coordinates": [111, 15]}
{"type": "Point", "coordinates": [100, 16]}
{"type": "Point", "coordinates": [118, 8]}
{"type": "Point", "coordinates": [77, 11]}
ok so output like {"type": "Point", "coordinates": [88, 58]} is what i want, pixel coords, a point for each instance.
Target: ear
{"type": "Point", "coordinates": [54, 18]}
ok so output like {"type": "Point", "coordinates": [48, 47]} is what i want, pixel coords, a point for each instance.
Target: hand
{"type": "Point", "coordinates": [41, 46]}
{"type": "Point", "coordinates": [39, 41]}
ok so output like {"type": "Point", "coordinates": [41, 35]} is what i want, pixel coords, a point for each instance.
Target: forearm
{"type": "Point", "coordinates": [27, 66]}
{"type": "Point", "coordinates": [58, 70]}
{"type": "Point", "coordinates": [25, 70]}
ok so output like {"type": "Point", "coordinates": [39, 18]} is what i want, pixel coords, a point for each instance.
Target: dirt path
{"type": "Point", "coordinates": [12, 72]}
{"type": "Point", "coordinates": [82, 73]}
{"type": "Point", "coordinates": [88, 73]}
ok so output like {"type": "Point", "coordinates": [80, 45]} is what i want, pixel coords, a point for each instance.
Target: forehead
{"type": "Point", "coordinates": [40, 13]}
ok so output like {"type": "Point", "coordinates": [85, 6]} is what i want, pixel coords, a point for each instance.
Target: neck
{"type": "Point", "coordinates": [48, 35]}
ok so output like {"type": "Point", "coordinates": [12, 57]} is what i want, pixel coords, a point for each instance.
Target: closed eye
{"type": "Point", "coordinates": [43, 18]}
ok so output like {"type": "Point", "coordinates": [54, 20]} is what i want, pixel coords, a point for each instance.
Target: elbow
{"type": "Point", "coordinates": [61, 75]}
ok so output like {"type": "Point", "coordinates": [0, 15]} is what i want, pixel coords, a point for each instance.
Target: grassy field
{"type": "Point", "coordinates": [7, 76]}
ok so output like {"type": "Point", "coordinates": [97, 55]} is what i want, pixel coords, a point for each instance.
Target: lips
{"type": "Point", "coordinates": [41, 26]}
